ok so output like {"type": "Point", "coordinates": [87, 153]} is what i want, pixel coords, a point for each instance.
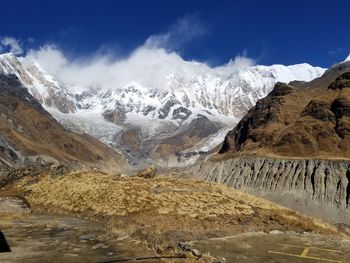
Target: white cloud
{"type": "Point", "coordinates": [49, 57]}
{"type": "Point", "coordinates": [149, 67]}
{"type": "Point", "coordinates": [183, 31]}
{"type": "Point", "coordinates": [11, 44]}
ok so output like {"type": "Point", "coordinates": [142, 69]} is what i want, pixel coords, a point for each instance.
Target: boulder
{"type": "Point", "coordinates": [148, 172]}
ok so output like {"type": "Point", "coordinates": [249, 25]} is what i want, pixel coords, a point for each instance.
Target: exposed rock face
{"type": "Point", "coordinates": [181, 113]}
{"type": "Point", "coordinates": [326, 183]}
{"type": "Point", "coordinates": [197, 130]}
{"type": "Point", "coordinates": [115, 116]}
{"type": "Point", "coordinates": [164, 111]}
{"type": "Point", "coordinates": [341, 82]}
{"type": "Point", "coordinates": [61, 103]}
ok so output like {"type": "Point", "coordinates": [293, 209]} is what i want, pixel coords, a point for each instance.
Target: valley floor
{"type": "Point", "coordinates": [95, 217]}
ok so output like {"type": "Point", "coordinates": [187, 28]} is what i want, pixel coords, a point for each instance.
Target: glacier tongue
{"type": "Point", "coordinates": [146, 121]}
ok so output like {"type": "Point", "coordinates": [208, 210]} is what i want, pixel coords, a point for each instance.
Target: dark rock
{"type": "Point", "coordinates": [181, 113]}
{"type": "Point", "coordinates": [164, 111]}
{"type": "Point", "coordinates": [341, 82]}
{"type": "Point", "coordinates": [281, 89]}
{"type": "Point", "coordinates": [319, 110]}
{"type": "Point", "coordinates": [265, 112]}
{"type": "Point", "coordinates": [115, 116]}
{"type": "Point", "coordinates": [148, 109]}
{"type": "Point", "coordinates": [185, 246]}
{"type": "Point", "coordinates": [341, 107]}
{"type": "Point", "coordinates": [60, 102]}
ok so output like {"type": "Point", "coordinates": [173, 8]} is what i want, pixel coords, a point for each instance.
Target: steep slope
{"type": "Point", "coordinates": [298, 120]}
{"type": "Point", "coordinates": [293, 147]}
{"type": "Point", "coordinates": [29, 134]}
{"type": "Point", "coordinates": [161, 115]}
{"type": "Point", "coordinates": [40, 84]}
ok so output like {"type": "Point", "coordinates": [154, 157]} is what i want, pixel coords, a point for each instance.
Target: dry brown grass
{"type": "Point", "coordinates": [116, 196]}
{"type": "Point", "coordinates": [163, 203]}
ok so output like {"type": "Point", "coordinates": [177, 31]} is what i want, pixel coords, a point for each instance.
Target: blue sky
{"type": "Point", "coordinates": [269, 32]}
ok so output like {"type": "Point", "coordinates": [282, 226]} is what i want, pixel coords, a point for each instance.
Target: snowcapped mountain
{"type": "Point", "coordinates": [186, 113]}
{"type": "Point", "coordinates": [40, 84]}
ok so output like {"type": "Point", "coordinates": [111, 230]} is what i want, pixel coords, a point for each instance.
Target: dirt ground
{"type": "Point", "coordinates": [56, 238]}
{"type": "Point", "coordinates": [96, 217]}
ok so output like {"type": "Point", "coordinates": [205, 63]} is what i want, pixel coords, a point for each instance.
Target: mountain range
{"type": "Point", "coordinates": [170, 123]}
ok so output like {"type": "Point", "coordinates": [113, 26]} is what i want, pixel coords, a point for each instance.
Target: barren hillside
{"type": "Point", "coordinates": [300, 120]}
{"type": "Point", "coordinates": [29, 134]}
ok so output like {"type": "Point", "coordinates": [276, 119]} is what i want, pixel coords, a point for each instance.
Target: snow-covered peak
{"type": "Point", "coordinates": [174, 94]}
{"type": "Point", "coordinates": [347, 58]}
{"type": "Point", "coordinates": [49, 92]}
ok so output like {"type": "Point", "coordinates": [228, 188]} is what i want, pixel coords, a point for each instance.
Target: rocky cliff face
{"type": "Point", "coordinates": [318, 187]}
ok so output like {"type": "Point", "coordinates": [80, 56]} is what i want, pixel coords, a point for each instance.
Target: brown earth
{"type": "Point", "coordinates": [303, 120]}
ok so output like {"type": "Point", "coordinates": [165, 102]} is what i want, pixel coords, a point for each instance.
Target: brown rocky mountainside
{"type": "Point", "coordinates": [302, 120]}
{"type": "Point", "coordinates": [293, 147]}
{"type": "Point", "coordinates": [29, 134]}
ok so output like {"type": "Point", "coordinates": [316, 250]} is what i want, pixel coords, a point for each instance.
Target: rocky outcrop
{"type": "Point", "coordinates": [341, 82]}
{"type": "Point", "coordinates": [148, 172]}
{"type": "Point", "coordinates": [325, 183]}
{"type": "Point", "coordinates": [115, 116]}
{"type": "Point", "coordinates": [187, 137]}
{"type": "Point", "coordinates": [60, 102]}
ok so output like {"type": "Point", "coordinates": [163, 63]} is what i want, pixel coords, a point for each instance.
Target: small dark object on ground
{"type": "Point", "coordinates": [4, 247]}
